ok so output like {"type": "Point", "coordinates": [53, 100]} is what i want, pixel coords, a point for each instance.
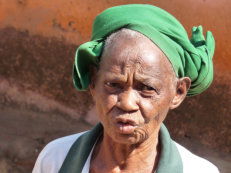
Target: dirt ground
{"type": "Point", "coordinates": [38, 103]}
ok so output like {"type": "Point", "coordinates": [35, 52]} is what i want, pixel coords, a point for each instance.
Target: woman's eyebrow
{"type": "Point", "coordinates": [147, 78]}
{"type": "Point", "coordinates": [115, 77]}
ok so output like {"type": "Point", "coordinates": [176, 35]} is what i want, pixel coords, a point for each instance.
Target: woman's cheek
{"type": "Point", "coordinates": [148, 109]}
{"type": "Point", "coordinates": [105, 106]}
{"type": "Point", "coordinates": [109, 101]}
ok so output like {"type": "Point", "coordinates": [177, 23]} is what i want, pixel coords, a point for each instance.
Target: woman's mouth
{"type": "Point", "coordinates": [125, 126]}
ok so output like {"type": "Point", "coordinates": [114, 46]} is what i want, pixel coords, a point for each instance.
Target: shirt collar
{"type": "Point", "coordinates": [170, 159]}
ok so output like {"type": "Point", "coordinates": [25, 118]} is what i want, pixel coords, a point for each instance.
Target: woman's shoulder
{"type": "Point", "coordinates": [53, 154]}
{"type": "Point", "coordinates": [193, 163]}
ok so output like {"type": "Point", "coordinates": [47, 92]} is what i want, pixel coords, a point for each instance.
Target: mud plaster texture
{"type": "Point", "coordinates": [38, 103]}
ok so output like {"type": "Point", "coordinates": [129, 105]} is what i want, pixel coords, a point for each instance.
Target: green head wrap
{"type": "Point", "coordinates": [191, 58]}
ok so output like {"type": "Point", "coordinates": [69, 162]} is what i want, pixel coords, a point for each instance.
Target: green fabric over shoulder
{"type": "Point", "coordinates": [191, 58]}
{"type": "Point", "coordinates": [170, 159]}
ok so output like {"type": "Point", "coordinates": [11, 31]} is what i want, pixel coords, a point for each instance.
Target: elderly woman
{"type": "Point", "coordinates": [138, 65]}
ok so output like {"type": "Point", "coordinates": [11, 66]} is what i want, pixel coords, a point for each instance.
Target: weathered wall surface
{"type": "Point", "coordinates": [38, 102]}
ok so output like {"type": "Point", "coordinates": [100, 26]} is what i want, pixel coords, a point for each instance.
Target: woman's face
{"type": "Point", "coordinates": [133, 89]}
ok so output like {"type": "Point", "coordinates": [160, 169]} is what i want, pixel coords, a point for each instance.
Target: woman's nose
{"type": "Point", "coordinates": [127, 101]}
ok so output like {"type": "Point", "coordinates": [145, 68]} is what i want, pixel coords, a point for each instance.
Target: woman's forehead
{"type": "Point", "coordinates": [138, 53]}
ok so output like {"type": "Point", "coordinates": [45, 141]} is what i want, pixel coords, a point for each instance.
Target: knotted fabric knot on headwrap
{"type": "Point", "coordinates": [191, 58]}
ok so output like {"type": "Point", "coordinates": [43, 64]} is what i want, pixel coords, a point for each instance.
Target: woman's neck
{"type": "Point", "coordinates": [111, 156]}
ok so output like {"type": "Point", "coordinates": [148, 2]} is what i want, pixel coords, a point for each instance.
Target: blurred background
{"type": "Point", "coordinates": [39, 103]}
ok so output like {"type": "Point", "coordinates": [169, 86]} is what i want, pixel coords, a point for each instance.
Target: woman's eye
{"type": "Point", "coordinates": [148, 91]}
{"type": "Point", "coordinates": [111, 84]}
{"type": "Point", "coordinates": [147, 88]}
{"type": "Point", "coordinates": [112, 87]}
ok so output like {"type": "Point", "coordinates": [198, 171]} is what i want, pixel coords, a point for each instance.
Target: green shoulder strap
{"type": "Point", "coordinates": [80, 150]}
{"type": "Point", "coordinates": [170, 159]}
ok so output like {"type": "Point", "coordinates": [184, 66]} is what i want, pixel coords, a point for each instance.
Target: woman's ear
{"type": "Point", "coordinates": [181, 90]}
{"type": "Point", "coordinates": [92, 73]}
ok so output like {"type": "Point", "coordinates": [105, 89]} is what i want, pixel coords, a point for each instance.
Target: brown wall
{"type": "Point", "coordinates": [38, 102]}
{"type": "Point", "coordinates": [72, 20]}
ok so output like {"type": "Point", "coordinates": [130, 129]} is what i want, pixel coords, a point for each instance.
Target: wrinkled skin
{"type": "Point", "coordinates": [133, 89]}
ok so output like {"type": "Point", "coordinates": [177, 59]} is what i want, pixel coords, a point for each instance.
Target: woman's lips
{"type": "Point", "coordinates": [125, 126]}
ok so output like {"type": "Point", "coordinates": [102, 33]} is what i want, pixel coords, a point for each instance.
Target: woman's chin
{"type": "Point", "coordinates": [128, 138]}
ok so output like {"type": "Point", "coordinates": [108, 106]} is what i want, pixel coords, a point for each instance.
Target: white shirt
{"type": "Point", "coordinates": [52, 156]}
